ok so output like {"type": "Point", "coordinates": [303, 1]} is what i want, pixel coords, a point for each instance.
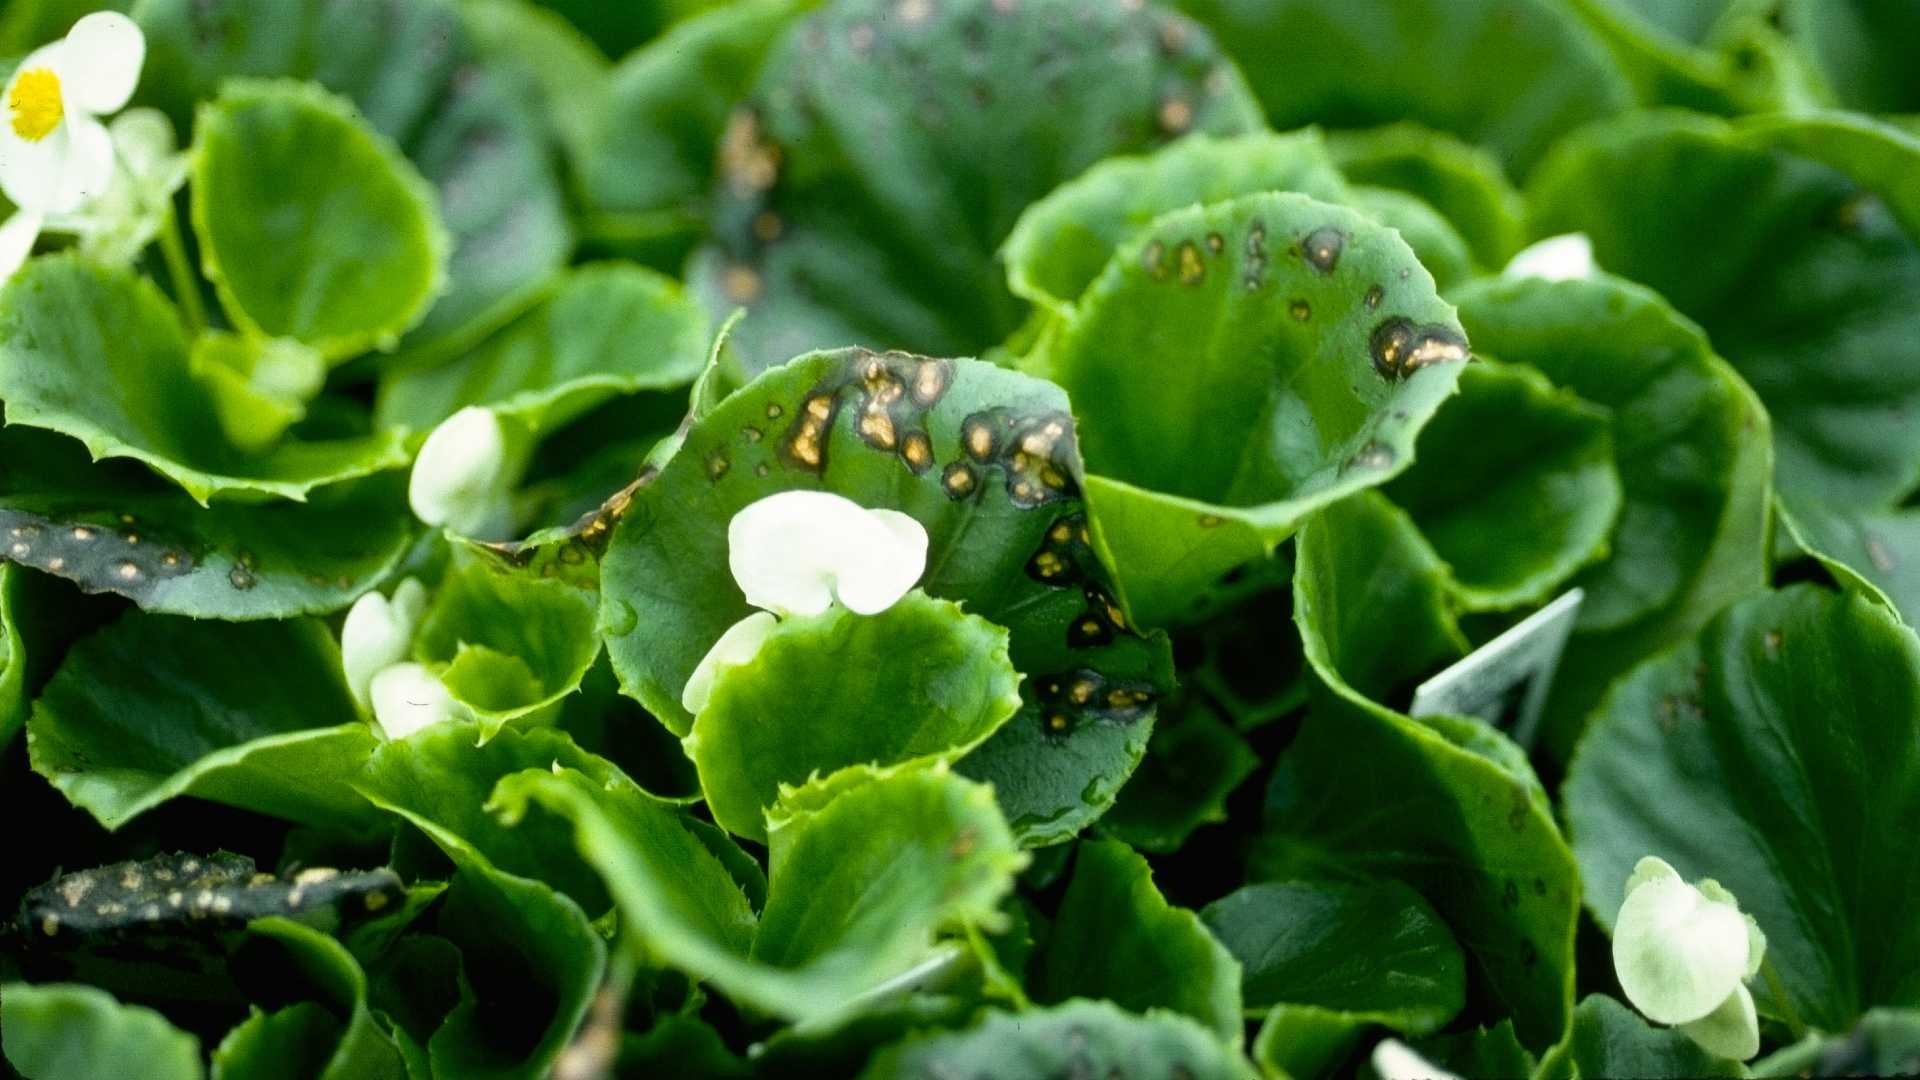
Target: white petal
{"type": "Point", "coordinates": [740, 644]}
{"type": "Point", "coordinates": [1557, 258]}
{"type": "Point", "coordinates": [101, 62]}
{"type": "Point", "coordinates": [16, 241]}
{"type": "Point", "coordinates": [882, 575]}
{"type": "Point", "coordinates": [1395, 1060]}
{"type": "Point", "coordinates": [377, 634]}
{"type": "Point", "coordinates": [458, 478]}
{"type": "Point", "coordinates": [144, 140]}
{"type": "Point", "coordinates": [408, 697]}
{"type": "Point", "coordinates": [793, 552]}
{"type": "Point", "coordinates": [1678, 953]}
{"type": "Point", "coordinates": [1730, 1031]}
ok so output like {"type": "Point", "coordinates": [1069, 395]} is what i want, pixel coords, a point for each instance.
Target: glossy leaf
{"type": "Point", "coordinates": [920, 121]}
{"type": "Point", "coordinates": [76, 1032]}
{"type": "Point", "coordinates": [414, 73]}
{"type": "Point", "coordinates": [153, 707]}
{"type": "Point", "coordinates": [984, 459]}
{"type": "Point", "coordinates": [1609, 1039]}
{"type": "Point", "coordinates": [1087, 1036]}
{"type": "Point", "coordinates": [513, 645]}
{"type": "Point", "coordinates": [1463, 182]}
{"type": "Point", "coordinates": [1063, 241]}
{"type": "Point", "coordinates": [920, 681]}
{"type": "Point", "coordinates": [1766, 755]}
{"type": "Point", "coordinates": [113, 527]}
{"type": "Point", "coordinates": [607, 330]}
{"type": "Point", "coordinates": [1691, 449]}
{"type": "Point", "coordinates": [1116, 938]}
{"type": "Point", "coordinates": [1358, 64]}
{"type": "Point", "coordinates": [340, 257]}
{"type": "Point", "coordinates": [1237, 366]}
{"type": "Point", "coordinates": [1515, 487]}
{"type": "Point", "coordinates": [99, 355]}
{"type": "Point", "coordinates": [1362, 787]}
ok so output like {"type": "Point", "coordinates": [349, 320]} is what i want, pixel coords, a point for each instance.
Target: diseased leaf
{"type": "Point", "coordinates": [1235, 367]}
{"type": "Point", "coordinates": [153, 707]}
{"type": "Point", "coordinates": [1116, 938]}
{"type": "Point", "coordinates": [983, 458]}
{"type": "Point", "coordinates": [1768, 754]}
{"type": "Point", "coordinates": [99, 355]}
{"type": "Point", "coordinates": [1515, 486]}
{"type": "Point", "coordinates": [1357, 63]}
{"type": "Point", "coordinates": [831, 690]}
{"type": "Point", "coordinates": [342, 257]}
{"type": "Point", "coordinates": [76, 1032]}
{"type": "Point", "coordinates": [879, 161]}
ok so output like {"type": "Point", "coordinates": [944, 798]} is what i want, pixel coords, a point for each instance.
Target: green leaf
{"type": "Point", "coordinates": [649, 156]}
{"type": "Point", "coordinates": [1882, 546]}
{"type": "Point", "coordinates": [1814, 283]}
{"type": "Point", "coordinates": [1515, 487]}
{"type": "Point", "coordinates": [1312, 349]}
{"type": "Point", "coordinates": [153, 707]}
{"type": "Point", "coordinates": [1856, 44]}
{"type": "Point", "coordinates": [607, 330]}
{"type": "Point", "coordinates": [1439, 247]}
{"type": "Point", "coordinates": [98, 354]}
{"type": "Point", "coordinates": [879, 161]}
{"type": "Point", "coordinates": [980, 456]}
{"type": "Point", "coordinates": [512, 645]}
{"type": "Point", "coordinates": [414, 73]}
{"type": "Point", "coordinates": [1541, 73]}
{"type": "Point", "coordinates": [1609, 1039]}
{"type": "Point", "coordinates": [1463, 182]}
{"type": "Point", "coordinates": [537, 53]}
{"type": "Point", "coordinates": [1719, 56]}
{"type": "Point", "coordinates": [1886, 1042]}
{"type": "Point", "coordinates": [74, 1032]}
{"type": "Point", "coordinates": [1115, 937]}
{"type": "Point", "coordinates": [1445, 805]}
{"type": "Point", "coordinates": [286, 961]}
{"type": "Point", "coordinates": [1093, 1038]}
{"type": "Point", "coordinates": [13, 652]}
{"type": "Point", "coordinates": [295, 1041]}
{"type": "Point", "coordinates": [113, 527]}
{"type": "Point", "coordinates": [1691, 449]}
{"type": "Point", "coordinates": [1062, 242]}
{"type": "Point", "coordinates": [260, 386]}
{"type": "Point", "coordinates": [1483, 1051]}
{"type": "Point", "coordinates": [920, 681]}
{"type": "Point", "coordinates": [1193, 763]}
{"type": "Point", "coordinates": [311, 225]}
{"type": "Point", "coordinates": [1769, 754]}
{"type": "Point", "coordinates": [1375, 951]}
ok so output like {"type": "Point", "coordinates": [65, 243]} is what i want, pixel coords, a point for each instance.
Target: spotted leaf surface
{"type": "Point", "coordinates": [99, 355]}
{"type": "Point", "coordinates": [1235, 367]}
{"type": "Point", "coordinates": [831, 690]}
{"type": "Point", "coordinates": [884, 154]}
{"type": "Point", "coordinates": [340, 258]}
{"type": "Point", "coordinates": [414, 72]}
{"type": "Point", "coordinates": [1805, 695]}
{"type": "Point", "coordinates": [113, 527]}
{"type": "Point", "coordinates": [154, 707]}
{"type": "Point", "coordinates": [985, 460]}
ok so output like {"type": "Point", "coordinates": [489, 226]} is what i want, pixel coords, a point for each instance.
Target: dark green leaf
{"type": "Point", "coordinates": [1193, 763]}
{"type": "Point", "coordinates": [288, 961]}
{"type": "Point", "coordinates": [879, 161]}
{"type": "Point", "coordinates": [1610, 1039]}
{"type": "Point", "coordinates": [153, 707]}
{"type": "Point", "coordinates": [1080, 1037]}
{"type": "Point", "coordinates": [1769, 755]}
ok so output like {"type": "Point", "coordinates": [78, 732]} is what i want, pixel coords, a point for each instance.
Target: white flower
{"type": "Point", "coordinates": [407, 697]}
{"type": "Point", "coordinates": [459, 479]}
{"type": "Point", "coordinates": [1557, 258]}
{"type": "Point", "coordinates": [1395, 1060]}
{"type": "Point", "coordinates": [1683, 952]}
{"type": "Point", "coordinates": [796, 552]}
{"type": "Point", "coordinates": [738, 645]}
{"type": "Point", "coordinates": [377, 634]}
{"type": "Point", "coordinates": [118, 224]}
{"type": "Point", "coordinates": [54, 152]}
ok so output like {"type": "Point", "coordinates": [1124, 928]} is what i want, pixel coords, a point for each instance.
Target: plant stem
{"type": "Point", "coordinates": [1796, 1026]}
{"type": "Point", "coordinates": [186, 286]}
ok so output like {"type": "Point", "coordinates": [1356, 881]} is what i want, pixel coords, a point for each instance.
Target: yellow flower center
{"type": "Point", "coordinates": [35, 102]}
